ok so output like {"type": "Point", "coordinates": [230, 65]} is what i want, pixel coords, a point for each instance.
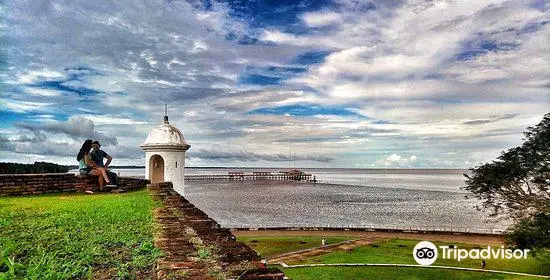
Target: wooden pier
{"type": "Point", "coordinates": [294, 175]}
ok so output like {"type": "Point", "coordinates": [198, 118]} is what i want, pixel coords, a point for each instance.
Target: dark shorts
{"type": "Point", "coordinates": [85, 170]}
{"type": "Point", "coordinates": [112, 177]}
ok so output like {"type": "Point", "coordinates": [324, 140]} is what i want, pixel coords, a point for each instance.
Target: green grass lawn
{"type": "Point", "coordinates": [385, 251]}
{"type": "Point", "coordinates": [269, 246]}
{"type": "Point", "coordinates": [390, 273]}
{"type": "Point", "coordinates": [101, 236]}
{"type": "Point", "coordinates": [400, 251]}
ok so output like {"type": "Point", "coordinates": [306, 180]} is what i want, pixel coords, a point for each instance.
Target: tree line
{"type": "Point", "coordinates": [35, 168]}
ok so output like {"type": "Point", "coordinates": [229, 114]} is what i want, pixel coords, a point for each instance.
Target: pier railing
{"type": "Point", "coordinates": [237, 176]}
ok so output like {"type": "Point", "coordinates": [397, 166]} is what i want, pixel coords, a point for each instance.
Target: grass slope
{"type": "Point", "coordinates": [400, 251]}
{"type": "Point", "coordinates": [385, 251]}
{"type": "Point", "coordinates": [390, 273]}
{"type": "Point", "coordinates": [72, 236]}
{"type": "Point", "coordinates": [269, 246]}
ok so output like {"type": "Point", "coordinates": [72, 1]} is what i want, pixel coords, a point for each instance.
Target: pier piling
{"type": "Point", "coordinates": [257, 175]}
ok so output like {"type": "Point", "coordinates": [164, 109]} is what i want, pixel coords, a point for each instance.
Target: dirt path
{"type": "Point", "coordinates": [302, 255]}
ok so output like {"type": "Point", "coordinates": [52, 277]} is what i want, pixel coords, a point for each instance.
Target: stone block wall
{"type": "Point", "coordinates": [32, 184]}
{"type": "Point", "coordinates": [180, 222]}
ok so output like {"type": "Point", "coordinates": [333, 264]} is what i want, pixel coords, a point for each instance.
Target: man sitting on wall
{"type": "Point", "coordinates": [97, 156]}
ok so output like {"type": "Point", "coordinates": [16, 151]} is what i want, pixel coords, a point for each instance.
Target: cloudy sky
{"type": "Point", "coordinates": [343, 83]}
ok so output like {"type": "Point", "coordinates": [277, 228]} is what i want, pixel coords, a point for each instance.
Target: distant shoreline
{"type": "Point", "coordinates": [280, 167]}
{"type": "Point", "coordinates": [304, 168]}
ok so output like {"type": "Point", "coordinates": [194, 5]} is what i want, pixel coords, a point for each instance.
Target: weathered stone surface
{"type": "Point", "coordinates": [176, 218]}
{"type": "Point", "coordinates": [32, 184]}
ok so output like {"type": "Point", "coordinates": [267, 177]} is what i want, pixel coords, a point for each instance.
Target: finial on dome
{"type": "Point", "coordinates": [166, 113]}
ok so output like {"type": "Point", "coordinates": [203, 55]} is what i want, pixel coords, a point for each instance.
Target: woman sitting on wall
{"type": "Point", "coordinates": [87, 166]}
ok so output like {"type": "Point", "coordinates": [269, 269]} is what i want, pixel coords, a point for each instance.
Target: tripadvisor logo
{"type": "Point", "coordinates": [425, 253]}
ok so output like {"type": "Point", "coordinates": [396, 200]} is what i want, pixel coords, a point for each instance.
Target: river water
{"type": "Point", "coordinates": [427, 198]}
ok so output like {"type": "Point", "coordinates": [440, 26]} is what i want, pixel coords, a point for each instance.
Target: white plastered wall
{"type": "Point", "coordinates": [173, 174]}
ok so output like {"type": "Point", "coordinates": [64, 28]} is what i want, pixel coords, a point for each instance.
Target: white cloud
{"type": "Point", "coordinates": [396, 160]}
{"type": "Point", "coordinates": [42, 92]}
{"type": "Point", "coordinates": [24, 106]}
{"type": "Point", "coordinates": [317, 19]}
{"type": "Point", "coordinates": [363, 61]}
{"type": "Point", "coordinates": [278, 37]}
{"type": "Point", "coordinates": [34, 76]}
{"type": "Point", "coordinates": [110, 119]}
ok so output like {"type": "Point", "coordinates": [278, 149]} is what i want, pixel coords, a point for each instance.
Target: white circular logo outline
{"type": "Point", "coordinates": [425, 253]}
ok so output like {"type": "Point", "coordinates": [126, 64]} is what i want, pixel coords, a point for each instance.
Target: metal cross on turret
{"type": "Point", "coordinates": [165, 113]}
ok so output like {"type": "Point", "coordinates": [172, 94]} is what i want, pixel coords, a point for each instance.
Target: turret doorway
{"type": "Point", "coordinates": [156, 169]}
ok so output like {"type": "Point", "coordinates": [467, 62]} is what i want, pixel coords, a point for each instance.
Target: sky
{"type": "Point", "coordinates": [343, 83]}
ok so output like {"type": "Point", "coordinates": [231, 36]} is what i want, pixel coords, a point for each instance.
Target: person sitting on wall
{"type": "Point", "coordinates": [97, 155]}
{"type": "Point", "coordinates": [87, 167]}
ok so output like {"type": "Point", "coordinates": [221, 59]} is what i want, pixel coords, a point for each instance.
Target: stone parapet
{"type": "Point", "coordinates": [33, 184]}
{"type": "Point", "coordinates": [196, 246]}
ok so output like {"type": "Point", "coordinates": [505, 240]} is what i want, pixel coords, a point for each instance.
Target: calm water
{"type": "Point", "coordinates": [346, 197]}
{"type": "Point", "coordinates": [426, 179]}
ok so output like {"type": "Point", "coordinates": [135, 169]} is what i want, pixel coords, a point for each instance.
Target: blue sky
{"type": "Point", "coordinates": [365, 84]}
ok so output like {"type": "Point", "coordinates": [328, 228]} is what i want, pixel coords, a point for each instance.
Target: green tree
{"type": "Point", "coordinates": [36, 168]}
{"type": "Point", "coordinates": [517, 186]}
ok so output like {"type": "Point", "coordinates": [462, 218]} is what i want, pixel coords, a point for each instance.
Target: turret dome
{"type": "Point", "coordinates": [165, 136]}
